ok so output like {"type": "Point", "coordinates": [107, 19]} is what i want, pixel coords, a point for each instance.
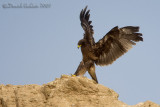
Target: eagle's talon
{"type": "Point", "coordinates": [73, 75]}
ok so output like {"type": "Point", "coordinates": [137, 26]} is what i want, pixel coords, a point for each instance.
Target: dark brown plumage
{"type": "Point", "coordinates": [113, 45]}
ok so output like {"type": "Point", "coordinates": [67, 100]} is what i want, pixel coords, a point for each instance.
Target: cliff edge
{"type": "Point", "coordinates": [66, 91]}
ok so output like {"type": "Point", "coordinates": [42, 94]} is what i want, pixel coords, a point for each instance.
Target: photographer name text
{"type": "Point", "coordinates": [26, 5]}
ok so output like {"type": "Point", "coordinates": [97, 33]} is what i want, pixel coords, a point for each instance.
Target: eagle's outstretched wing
{"type": "Point", "coordinates": [86, 25]}
{"type": "Point", "coordinates": [115, 43]}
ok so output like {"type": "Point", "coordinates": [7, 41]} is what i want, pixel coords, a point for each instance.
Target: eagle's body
{"type": "Point", "coordinates": [113, 45]}
{"type": "Point", "coordinates": [88, 53]}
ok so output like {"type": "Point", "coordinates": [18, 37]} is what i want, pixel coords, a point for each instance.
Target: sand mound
{"type": "Point", "coordinates": [66, 91]}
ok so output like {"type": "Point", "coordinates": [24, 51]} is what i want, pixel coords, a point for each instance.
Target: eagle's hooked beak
{"type": "Point", "coordinates": [79, 46]}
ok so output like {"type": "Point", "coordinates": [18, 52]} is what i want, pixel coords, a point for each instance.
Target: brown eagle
{"type": "Point", "coordinates": [113, 45]}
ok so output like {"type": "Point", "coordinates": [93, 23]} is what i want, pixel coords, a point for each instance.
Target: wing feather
{"type": "Point", "coordinates": [86, 25]}
{"type": "Point", "coordinates": [116, 43]}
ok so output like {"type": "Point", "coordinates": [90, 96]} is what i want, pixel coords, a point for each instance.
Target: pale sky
{"type": "Point", "coordinates": [39, 44]}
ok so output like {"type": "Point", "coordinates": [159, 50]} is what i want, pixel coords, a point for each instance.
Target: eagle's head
{"type": "Point", "coordinates": [82, 43]}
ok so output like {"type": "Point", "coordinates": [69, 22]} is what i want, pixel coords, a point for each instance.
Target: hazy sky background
{"type": "Point", "coordinates": [38, 45]}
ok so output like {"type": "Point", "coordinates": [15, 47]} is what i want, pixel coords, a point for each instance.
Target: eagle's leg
{"type": "Point", "coordinates": [92, 72]}
{"type": "Point", "coordinates": [81, 70]}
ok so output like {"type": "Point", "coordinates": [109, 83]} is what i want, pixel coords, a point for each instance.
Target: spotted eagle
{"type": "Point", "coordinates": [113, 45]}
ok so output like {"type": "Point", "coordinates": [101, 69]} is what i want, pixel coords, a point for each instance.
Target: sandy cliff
{"type": "Point", "coordinates": [66, 91]}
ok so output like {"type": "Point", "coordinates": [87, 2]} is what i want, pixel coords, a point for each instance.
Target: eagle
{"type": "Point", "coordinates": [104, 52]}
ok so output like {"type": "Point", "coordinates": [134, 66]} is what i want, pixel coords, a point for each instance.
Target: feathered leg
{"type": "Point", "coordinates": [88, 66]}
{"type": "Point", "coordinates": [93, 73]}
{"type": "Point", "coordinates": [81, 70]}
